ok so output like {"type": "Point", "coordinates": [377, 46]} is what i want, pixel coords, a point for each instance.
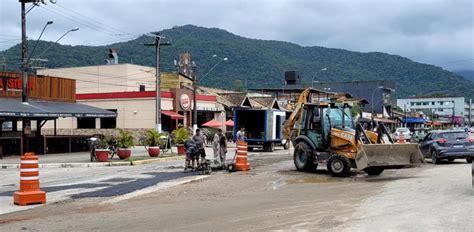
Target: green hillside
{"type": "Point", "coordinates": [262, 62]}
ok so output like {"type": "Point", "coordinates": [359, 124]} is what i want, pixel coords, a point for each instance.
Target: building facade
{"type": "Point", "coordinates": [443, 109]}
{"type": "Point", "coordinates": [381, 91]}
{"type": "Point", "coordinates": [129, 90]}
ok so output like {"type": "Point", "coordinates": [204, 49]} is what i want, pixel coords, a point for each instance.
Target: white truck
{"type": "Point", "coordinates": [263, 127]}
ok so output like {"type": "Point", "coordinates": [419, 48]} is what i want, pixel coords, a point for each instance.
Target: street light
{"type": "Point", "coordinates": [37, 41]}
{"type": "Point", "coordinates": [67, 32]}
{"type": "Point", "coordinates": [312, 79]}
{"type": "Point", "coordinates": [373, 93]}
{"type": "Point", "coordinates": [195, 88]}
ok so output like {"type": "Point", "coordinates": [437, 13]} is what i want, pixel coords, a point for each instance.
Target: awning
{"type": "Point", "coordinates": [382, 120]}
{"type": "Point", "coordinates": [172, 114]}
{"type": "Point", "coordinates": [229, 123]}
{"type": "Point", "coordinates": [14, 108]}
{"type": "Point", "coordinates": [213, 123]}
{"type": "Point", "coordinates": [413, 120]}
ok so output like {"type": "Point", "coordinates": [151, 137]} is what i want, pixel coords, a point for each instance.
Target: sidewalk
{"type": "Point", "coordinates": [82, 159]}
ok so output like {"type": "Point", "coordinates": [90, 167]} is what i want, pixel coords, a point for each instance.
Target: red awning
{"type": "Point", "coordinates": [172, 114]}
{"type": "Point", "coordinates": [212, 123]}
{"type": "Point", "coordinates": [229, 123]}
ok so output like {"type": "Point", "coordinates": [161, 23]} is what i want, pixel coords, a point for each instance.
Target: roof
{"type": "Point", "coordinates": [263, 102]}
{"type": "Point", "coordinates": [232, 99]}
{"type": "Point", "coordinates": [14, 108]}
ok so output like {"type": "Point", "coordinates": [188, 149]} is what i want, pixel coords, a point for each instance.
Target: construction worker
{"type": "Point", "coordinates": [199, 140]}
{"type": "Point", "coordinates": [190, 147]}
{"type": "Point", "coordinates": [241, 134]}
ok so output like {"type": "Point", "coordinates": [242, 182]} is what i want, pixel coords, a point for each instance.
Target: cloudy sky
{"type": "Point", "coordinates": [437, 32]}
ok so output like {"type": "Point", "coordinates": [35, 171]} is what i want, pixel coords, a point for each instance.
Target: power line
{"type": "Point", "coordinates": [93, 20]}
{"type": "Point", "coordinates": [80, 21]}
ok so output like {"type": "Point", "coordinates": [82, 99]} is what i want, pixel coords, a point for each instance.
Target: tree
{"type": "Point", "coordinates": [239, 86]}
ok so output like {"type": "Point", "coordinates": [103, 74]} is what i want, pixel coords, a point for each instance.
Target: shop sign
{"type": "Point", "coordinates": [11, 84]}
{"type": "Point", "coordinates": [185, 101]}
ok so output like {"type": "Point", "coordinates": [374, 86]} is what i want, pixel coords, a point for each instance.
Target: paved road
{"type": "Point", "coordinates": [62, 184]}
{"type": "Point", "coordinates": [273, 196]}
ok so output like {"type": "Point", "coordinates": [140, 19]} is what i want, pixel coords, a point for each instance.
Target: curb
{"type": "Point", "coordinates": [88, 165]}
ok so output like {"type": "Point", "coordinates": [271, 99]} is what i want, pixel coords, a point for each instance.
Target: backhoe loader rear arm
{"type": "Point", "coordinates": [296, 114]}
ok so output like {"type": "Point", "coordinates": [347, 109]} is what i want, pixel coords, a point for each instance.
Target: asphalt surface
{"type": "Point", "coordinates": [273, 196]}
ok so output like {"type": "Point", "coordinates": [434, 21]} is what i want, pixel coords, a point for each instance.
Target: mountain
{"type": "Point", "coordinates": [467, 74]}
{"type": "Point", "coordinates": [261, 63]}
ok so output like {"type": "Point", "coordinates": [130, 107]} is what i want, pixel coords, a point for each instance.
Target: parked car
{"type": "Point", "coordinates": [402, 130]}
{"type": "Point", "coordinates": [449, 145]}
{"type": "Point", "coordinates": [419, 134]}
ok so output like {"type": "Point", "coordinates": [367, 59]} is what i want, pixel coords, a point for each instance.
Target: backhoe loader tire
{"type": "Point", "coordinates": [339, 165]}
{"type": "Point", "coordinates": [303, 157]}
{"type": "Point", "coordinates": [373, 171]}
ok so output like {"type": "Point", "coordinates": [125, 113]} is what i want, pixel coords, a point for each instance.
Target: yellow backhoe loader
{"type": "Point", "coordinates": [325, 132]}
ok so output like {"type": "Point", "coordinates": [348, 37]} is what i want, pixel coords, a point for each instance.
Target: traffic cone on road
{"type": "Point", "coordinates": [30, 192]}
{"type": "Point", "coordinates": [241, 162]}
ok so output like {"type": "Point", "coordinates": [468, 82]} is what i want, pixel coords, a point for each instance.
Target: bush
{"type": "Point", "coordinates": [180, 135]}
{"type": "Point", "coordinates": [152, 138]}
{"type": "Point", "coordinates": [125, 139]}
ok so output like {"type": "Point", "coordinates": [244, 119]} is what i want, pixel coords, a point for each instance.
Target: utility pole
{"type": "Point", "coordinates": [24, 54]}
{"type": "Point", "coordinates": [194, 66]}
{"type": "Point", "coordinates": [405, 109]}
{"type": "Point", "coordinates": [470, 114]}
{"type": "Point", "coordinates": [157, 44]}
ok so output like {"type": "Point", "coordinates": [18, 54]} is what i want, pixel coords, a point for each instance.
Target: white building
{"type": "Point", "coordinates": [443, 108]}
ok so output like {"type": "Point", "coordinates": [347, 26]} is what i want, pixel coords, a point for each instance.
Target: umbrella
{"type": "Point", "coordinates": [229, 123]}
{"type": "Point", "coordinates": [213, 123]}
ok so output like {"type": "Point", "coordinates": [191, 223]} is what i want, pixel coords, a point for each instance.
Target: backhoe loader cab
{"type": "Point", "coordinates": [325, 132]}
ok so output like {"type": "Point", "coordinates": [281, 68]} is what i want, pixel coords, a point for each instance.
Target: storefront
{"type": "Point", "coordinates": [129, 90]}
{"type": "Point", "coordinates": [50, 99]}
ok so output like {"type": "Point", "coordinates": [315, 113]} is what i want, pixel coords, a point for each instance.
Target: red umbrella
{"type": "Point", "coordinates": [229, 123]}
{"type": "Point", "coordinates": [213, 123]}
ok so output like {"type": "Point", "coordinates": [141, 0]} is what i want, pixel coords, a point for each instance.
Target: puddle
{"type": "Point", "coordinates": [320, 176]}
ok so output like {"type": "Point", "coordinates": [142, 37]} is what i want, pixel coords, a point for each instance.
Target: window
{"type": "Point", "coordinates": [440, 110]}
{"type": "Point", "coordinates": [418, 103]}
{"type": "Point", "coordinates": [142, 88]}
{"type": "Point", "coordinates": [109, 123]}
{"type": "Point", "coordinates": [441, 103]}
{"type": "Point", "coordinates": [432, 103]}
{"type": "Point", "coordinates": [85, 123]}
{"type": "Point", "coordinates": [425, 103]}
{"type": "Point", "coordinates": [412, 103]}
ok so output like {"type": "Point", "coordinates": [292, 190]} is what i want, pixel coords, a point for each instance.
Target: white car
{"type": "Point", "coordinates": [402, 130]}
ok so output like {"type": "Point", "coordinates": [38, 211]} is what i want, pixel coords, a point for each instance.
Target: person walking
{"type": "Point", "coordinates": [215, 144]}
{"type": "Point", "coordinates": [222, 147]}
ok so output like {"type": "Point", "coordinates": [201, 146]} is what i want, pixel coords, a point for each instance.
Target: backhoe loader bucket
{"type": "Point", "coordinates": [388, 156]}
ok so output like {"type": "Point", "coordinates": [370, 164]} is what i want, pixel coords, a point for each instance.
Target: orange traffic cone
{"type": "Point", "coordinates": [241, 162]}
{"type": "Point", "coordinates": [401, 139]}
{"type": "Point", "coordinates": [30, 192]}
